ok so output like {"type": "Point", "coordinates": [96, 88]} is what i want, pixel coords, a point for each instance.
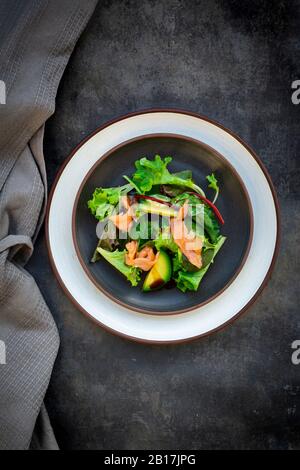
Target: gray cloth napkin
{"type": "Point", "coordinates": [36, 40]}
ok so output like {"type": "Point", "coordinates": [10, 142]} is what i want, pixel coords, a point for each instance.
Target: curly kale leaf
{"type": "Point", "coordinates": [104, 200]}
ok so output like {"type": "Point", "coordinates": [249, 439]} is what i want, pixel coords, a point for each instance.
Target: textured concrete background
{"type": "Point", "coordinates": [233, 61]}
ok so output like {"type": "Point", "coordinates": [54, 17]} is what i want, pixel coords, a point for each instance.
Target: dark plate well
{"type": "Point", "coordinates": [233, 204]}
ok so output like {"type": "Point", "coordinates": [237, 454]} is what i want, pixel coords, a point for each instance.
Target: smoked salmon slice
{"type": "Point", "coordinates": [144, 259]}
{"type": "Point", "coordinates": [131, 247]}
{"type": "Point", "coordinates": [123, 220]}
{"type": "Point", "coordinates": [187, 242]}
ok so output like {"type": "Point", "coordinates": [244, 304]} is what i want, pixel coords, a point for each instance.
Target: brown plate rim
{"type": "Point", "coordinates": [276, 204]}
{"type": "Point", "coordinates": [105, 156]}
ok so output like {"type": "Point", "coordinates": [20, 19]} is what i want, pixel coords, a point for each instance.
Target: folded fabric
{"type": "Point", "coordinates": [36, 40]}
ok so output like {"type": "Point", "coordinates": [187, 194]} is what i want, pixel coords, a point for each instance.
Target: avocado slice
{"type": "Point", "coordinates": [153, 207]}
{"type": "Point", "coordinates": [207, 257]}
{"type": "Point", "coordinates": [160, 273]}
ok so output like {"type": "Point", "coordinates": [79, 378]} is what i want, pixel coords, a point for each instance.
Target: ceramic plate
{"type": "Point", "coordinates": [255, 259]}
{"type": "Point", "coordinates": [234, 204]}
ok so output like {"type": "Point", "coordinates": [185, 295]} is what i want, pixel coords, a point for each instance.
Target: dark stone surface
{"type": "Point", "coordinates": [235, 62]}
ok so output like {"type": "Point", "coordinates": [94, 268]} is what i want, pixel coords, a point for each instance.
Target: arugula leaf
{"type": "Point", "coordinates": [104, 200]}
{"type": "Point", "coordinates": [132, 183]}
{"type": "Point", "coordinates": [117, 259]}
{"type": "Point", "coordinates": [154, 172]}
{"type": "Point", "coordinates": [190, 281]}
{"type": "Point", "coordinates": [213, 183]}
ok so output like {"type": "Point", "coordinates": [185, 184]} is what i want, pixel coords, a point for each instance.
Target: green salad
{"type": "Point", "coordinates": [159, 228]}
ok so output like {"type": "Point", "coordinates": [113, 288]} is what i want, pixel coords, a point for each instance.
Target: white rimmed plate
{"type": "Point", "coordinates": [172, 328]}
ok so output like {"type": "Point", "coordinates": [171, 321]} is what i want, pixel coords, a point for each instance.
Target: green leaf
{"type": "Point", "coordinates": [213, 184]}
{"type": "Point", "coordinates": [149, 172]}
{"type": "Point", "coordinates": [172, 191]}
{"type": "Point", "coordinates": [117, 259]}
{"type": "Point", "coordinates": [104, 210]}
{"type": "Point", "coordinates": [143, 229]}
{"type": "Point", "coordinates": [132, 183]}
{"type": "Point", "coordinates": [178, 261]}
{"type": "Point", "coordinates": [104, 200]}
{"type": "Point", "coordinates": [184, 175]}
{"type": "Point", "coordinates": [211, 225]}
{"type": "Point", "coordinates": [154, 172]}
{"type": "Point", "coordinates": [190, 281]}
{"type": "Point", "coordinates": [106, 232]}
{"type": "Point", "coordinates": [166, 241]}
